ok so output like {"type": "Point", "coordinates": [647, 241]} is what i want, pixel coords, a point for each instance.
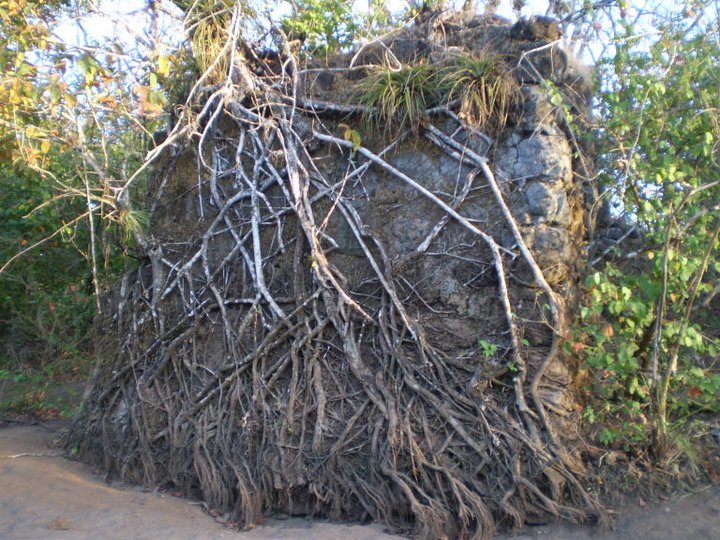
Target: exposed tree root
{"type": "Point", "coordinates": [243, 365]}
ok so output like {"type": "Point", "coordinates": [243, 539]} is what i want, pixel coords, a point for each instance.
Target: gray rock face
{"type": "Point", "coordinates": [536, 162]}
{"type": "Point", "coordinates": [541, 155]}
{"type": "Point", "coordinates": [534, 166]}
{"type": "Point", "coordinates": [537, 112]}
{"type": "Point", "coordinates": [546, 204]}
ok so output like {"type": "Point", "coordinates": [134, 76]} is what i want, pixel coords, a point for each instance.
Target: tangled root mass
{"type": "Point", "coordinates": [277, 351]}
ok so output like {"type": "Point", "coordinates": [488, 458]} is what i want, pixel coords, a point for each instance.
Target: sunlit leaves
{"type": "Point", "coordinates": [321, 26]}
{"type": "Point", "coordinates": [661, 127]}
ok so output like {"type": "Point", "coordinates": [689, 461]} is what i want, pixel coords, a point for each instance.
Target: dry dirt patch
{"type": "Point", "coordinates": [45, 496]}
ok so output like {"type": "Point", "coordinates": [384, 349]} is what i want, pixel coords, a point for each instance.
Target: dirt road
{"type": "Point", "coordinates": [44, 496]}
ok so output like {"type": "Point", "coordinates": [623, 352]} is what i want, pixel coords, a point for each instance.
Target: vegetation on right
{"type": "Point", "coordinates": [648, 332]}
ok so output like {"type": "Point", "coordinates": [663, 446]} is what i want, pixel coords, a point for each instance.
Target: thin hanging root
{"type": "Point", "coordinates": [556, 307]}
{"type": "Point", "coordinates": [497, 259]}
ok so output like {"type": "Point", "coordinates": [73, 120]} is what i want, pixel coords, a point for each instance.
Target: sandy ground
{"type": "Point", "coordinates": [44, 496]}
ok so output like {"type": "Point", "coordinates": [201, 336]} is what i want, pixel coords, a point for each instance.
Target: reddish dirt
{"type": "Point", "coordinates": [43, 495]}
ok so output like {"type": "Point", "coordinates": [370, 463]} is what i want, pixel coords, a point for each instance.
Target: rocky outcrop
{"type": "Point", "coordinates": [331, 322]}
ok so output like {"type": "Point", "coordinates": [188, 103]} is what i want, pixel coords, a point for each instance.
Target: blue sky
{"type": "Point", "coordinates": [116, 19]}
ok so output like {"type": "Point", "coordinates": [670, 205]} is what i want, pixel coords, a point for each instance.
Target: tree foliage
{"type": "Point", "coordinates": [321, 25]}
{"type": "Point", "coordinates": [75, 120]}
{"type": "Point", "coordinates": [649, 329]}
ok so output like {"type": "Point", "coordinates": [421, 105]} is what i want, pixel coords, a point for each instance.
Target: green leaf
{"type": "Point", "coordinates": [163, 66]}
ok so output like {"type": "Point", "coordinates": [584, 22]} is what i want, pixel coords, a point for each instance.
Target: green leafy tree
{"type": "Point", "coordinates": [649, 328]}
{"type": "Point", "coordinates": [45, 313]}
{"type": "Point", "coordinates": [74, 123]}
{"type": "Point", "coordinates": [321, 26]}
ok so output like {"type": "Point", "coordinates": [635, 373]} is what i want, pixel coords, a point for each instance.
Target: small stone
{"type": "Point", "coordinates": [537, 111]}
{"type": "Point", "coordinates": [716, 436]}
{"type": "Point", "coordinates": [59, 524]}
{"type": "Point", "coordinates": [543, 157]}
{"type": "Point", "coordinates": [553, 242]}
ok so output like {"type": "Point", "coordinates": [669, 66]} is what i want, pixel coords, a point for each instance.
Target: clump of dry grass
{"type": "Point", "coordinates": [209, 24]}
{"type": "Point", "coordinates": [397, 98]}
{"type": "Point", "coordinates": [484, 87]}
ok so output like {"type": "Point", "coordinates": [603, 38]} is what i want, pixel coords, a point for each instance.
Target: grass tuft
{"type": "Point", "coordinates": [132, 222]}
{"type": "Point", "coordinates": [397, 99]}
{"type": "Point", "coordinates": [484, 87]}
